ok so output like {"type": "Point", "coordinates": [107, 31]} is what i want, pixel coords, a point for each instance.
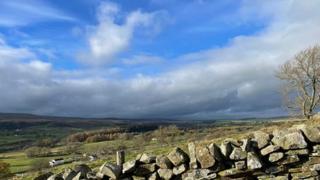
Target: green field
{"type": "Point", "coordinates": [20, 163]}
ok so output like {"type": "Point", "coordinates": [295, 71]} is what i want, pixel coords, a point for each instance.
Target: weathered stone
{"type": "Point", "coordinates": [55, 177]}
{"type": "Point", "coordinates": [295, 170]}
{"type": "Point", "coordinates": [163, 162]}
{"type": "Point", "coordinates": [277, 133]}
{"type": "Point", "coordinates": [261, 138]}
{"type": "Point", "coordinates": [77, 177]}
{"type": "Point", "coordinates": [199, 174]}
{"type": "Point", "coordinates": [246, 145]}
{"type": "Point", "coordinates": [305, 168]}
{"type": "Point", "coordinates": [110, 170]}
{"type": "Point", "coordinates": [220, 165]}
{"type": "Point", "coordinates": [99, 175]}
{"type": "Point", "coordinates": [92, 176]}
{"type": "Point", "coordinates": [239, 178]}
{"type": "Point", "coordinates": [83, 169]}
{"type": "Point", "coordinates": [192, 154]}
{"type": "Point", "coordinates": [283, 131]}
{"type": "Point", "coordinates": [180, 169]}
{"type": "Point", "coordinates": [269, 149]}
{"type": "Point", "coordinates": [316, 148]}
{"type": "Point", "coordinates": [266, 177]}
{"type": "Point", "coordinates": [204, 157]}
{"type": "Point", "coordinates": [282, 177]}
{"type": "Point", "coordinates": [147, 158]}
{"type": "Point", "coordinates": [290, 160]}
{"type": "Point", "coordinates": [145, 169]}
{"type": "Point", "coordinates": [273, 177]}
{"type": "Point", "coordinates": [275, 169]}
{"type": "Point", "coordinates": [298, 152]}
{"type": "Point", "coordinates": [316, 154]}
{"type": "Point", "coordinates": [289, 140]}
{"type": "Point", "coordinates": [129, 166]}
{"type": "Point", "coordinates": [177, 156]}
{"type": "Point", "coordinates": [165, 174]}
{"type": "Point", "coordinates": [313, 160]}
{"type": "Point", "coordinates": [120, 157]}
{"type": "Point", "coordinates": [231, 172]}
{"type": "Point", "coordinates": [154, 176]}
{"type": "Point", "coordinates": [315, 167]}
{"type": "Point", "coordinates": [234, 142]}
{"type": "Point", "coordinates": [274, 157]}
{"type": "Point", "coordinates": [226, 148]}
{"type": "Point", "coordinates": [240, 165]}
{"type": "Point", "coordinates": [138, 178]}
{"type": "Point", "coordinates": [123, 178]}
{"type": "Point", "coordinates": [215, 152]}
{"type": "Point", "coordinates": [238, 154]}
{"type": "Point", "coordinates": [44, 176]}
{"type": "Point", "coordinates": [304, 175]}
{"type": "Point", "coordinates": [312, 133]}
{"type": "Point", "coordinates": [69, 174]}
{"type": "Point", "coordinates": [253, 161]}
{"type": "Point", "coordinates": [257, 172]}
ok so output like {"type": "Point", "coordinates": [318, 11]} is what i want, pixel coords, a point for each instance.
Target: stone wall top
{"type": "Point", "coordinates": [292, 153]}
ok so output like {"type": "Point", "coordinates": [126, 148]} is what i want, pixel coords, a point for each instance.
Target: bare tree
{"type": "Point", "coordinates": [302, 76]}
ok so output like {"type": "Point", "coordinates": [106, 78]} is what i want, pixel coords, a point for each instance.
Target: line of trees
{"type": "Point", "coordinates": [96, 136]}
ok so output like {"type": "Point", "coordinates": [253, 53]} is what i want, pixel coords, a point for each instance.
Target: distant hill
{"type": "Point", "coordinates": [24, 116]}
{"type": "Point", "coordinates": [10, 121]}
{"type": "Point", "coordinates": [23, 120]}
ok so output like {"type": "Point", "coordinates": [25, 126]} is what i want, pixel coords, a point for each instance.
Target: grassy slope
{"type": "Point", "coordinates": [20, 163]}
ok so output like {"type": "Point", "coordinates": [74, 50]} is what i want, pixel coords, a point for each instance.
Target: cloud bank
{"type": "Point", "coordinates": [236, 80]}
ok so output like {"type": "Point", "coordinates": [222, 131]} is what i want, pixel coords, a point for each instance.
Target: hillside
{"type": "Point", "coordinates": [22, 130]}
{"type": "Point", "coordinates": [154, 141]}
{"type": "Point", "coordinates": [290, 153]}
{"type": "Point", "coordinates": [19, 131]}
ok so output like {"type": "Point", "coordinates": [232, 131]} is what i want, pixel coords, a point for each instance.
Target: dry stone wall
{"type": "Point", "coordinates": [292, 153]}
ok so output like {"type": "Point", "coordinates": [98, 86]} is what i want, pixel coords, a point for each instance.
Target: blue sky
{"type": "Point", "coordinates": [59, 32]}
{"type": "Point", "coordinates": [150, 58]}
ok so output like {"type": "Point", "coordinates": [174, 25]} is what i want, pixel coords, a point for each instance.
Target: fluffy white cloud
{"type": "Point", "coordinates": [235, 80]}
{"type": "Point", "coordinates": [110, 37]}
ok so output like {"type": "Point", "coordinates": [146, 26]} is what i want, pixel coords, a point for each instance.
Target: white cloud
{"type": "Point", "coordinates": [8, 53]}
{"type": "Point", "coordinates": [21, 13]}
{"type": "Point", "coordinates": [39, 66]}
{"type": "Point", "coordinates": [110, 37]}
{"type": "Point", "coordinates": [142, 59]}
